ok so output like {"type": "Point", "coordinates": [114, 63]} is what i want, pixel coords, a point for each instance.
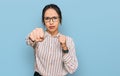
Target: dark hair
{"type": "Point", "coordinates": [53, 6]}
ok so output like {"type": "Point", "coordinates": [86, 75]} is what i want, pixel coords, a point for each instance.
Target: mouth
{"type": "Point", "coordinates": [51, 27]}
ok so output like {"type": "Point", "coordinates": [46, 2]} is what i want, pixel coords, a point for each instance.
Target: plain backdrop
{"type": "Point", "coordinates": [94, 26]}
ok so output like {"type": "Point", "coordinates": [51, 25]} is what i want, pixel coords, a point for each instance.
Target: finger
{"type": "Point", "coordinates": [41, 32]}
{"type": "Point", "coordinates": [62, 39]}
{"type": "Point", "coordinates": [35, 34]}
{"type": "Point", "coordinates": [31, 36]}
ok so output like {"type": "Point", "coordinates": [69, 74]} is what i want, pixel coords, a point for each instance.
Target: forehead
{"type": "Point", "coordinates": [50, 13]}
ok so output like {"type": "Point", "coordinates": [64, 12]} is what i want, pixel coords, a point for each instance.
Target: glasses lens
{"type": "Point", "coordinates": [48, 19]}
{"type": "Point", "coordinates": [55, 19]}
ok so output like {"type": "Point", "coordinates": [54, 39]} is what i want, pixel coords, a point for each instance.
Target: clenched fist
{"type": "Point", "coordinates": [37, 35]}
{"type": "Point", "coordinates": [62, 40]}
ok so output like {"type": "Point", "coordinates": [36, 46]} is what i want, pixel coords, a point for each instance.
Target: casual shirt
{"type": "Point", "coordinates": [49, 57]}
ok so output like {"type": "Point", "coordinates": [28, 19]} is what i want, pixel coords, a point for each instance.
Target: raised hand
{"type": "Point", "coordinates": [62, 40]}
{"type": "Point", "coordinates": [37, 35]}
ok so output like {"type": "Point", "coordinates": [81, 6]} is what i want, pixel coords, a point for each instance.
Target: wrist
{"type": "Point", "coordinates": [65, 48]}
{"type": "Point", "coordinates": [63, 45]}
{"type": "Point", "coordinates": [65, 51]}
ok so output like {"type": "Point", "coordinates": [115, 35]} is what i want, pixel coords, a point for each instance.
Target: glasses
{"type": "Point", "coordinates": [48, 19]}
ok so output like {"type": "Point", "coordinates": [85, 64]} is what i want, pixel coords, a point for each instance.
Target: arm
{"type": "Point", "coordinates": [69, 59]}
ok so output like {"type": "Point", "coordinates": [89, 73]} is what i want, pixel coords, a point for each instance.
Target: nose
{"type": "Point", "coordinates": [51, 21]}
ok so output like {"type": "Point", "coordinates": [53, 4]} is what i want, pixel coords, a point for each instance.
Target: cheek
{"type": "Point", "coordinates": [57, 24]}
{"type": "Point", "coordinates": [46, 25]}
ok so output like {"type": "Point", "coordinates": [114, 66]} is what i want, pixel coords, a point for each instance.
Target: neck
{"type": "Point", "coordinates": [53, 33]}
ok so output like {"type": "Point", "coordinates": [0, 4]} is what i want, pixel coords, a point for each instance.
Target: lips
{"type": "Point", "coordinates": [51, 27]}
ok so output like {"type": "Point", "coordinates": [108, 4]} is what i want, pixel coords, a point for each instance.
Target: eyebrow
{"type": "Point", "coordinates": [52, 16]}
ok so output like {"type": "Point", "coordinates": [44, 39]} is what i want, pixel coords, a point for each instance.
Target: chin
{"type": "Point", "coordinates": [51, 30]}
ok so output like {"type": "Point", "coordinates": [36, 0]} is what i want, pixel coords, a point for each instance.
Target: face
{"type": "Point", "coordinates": [51, 19]}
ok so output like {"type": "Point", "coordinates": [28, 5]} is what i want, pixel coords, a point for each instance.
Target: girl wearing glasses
{"type": "Point", "coordinates": [54, 52]}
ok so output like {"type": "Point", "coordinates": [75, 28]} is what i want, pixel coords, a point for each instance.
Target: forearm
{"type": "Point", "coordinates": [69, 58]}
{"type": "Point", "coordinates": [70, 63]}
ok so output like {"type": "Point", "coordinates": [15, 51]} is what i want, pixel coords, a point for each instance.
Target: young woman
{"type": "Point", "coordinates": [54, 52]}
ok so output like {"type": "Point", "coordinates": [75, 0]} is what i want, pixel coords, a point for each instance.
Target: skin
{"type": "Point", "coordinates": [37, 34]}
{"type": "Point", "coordinates": [52, 13]}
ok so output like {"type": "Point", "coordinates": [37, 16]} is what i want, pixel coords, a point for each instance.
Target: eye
{"type": "Point", "coordinates": [47, 18]}
{"type": "Point", "coordinates": [54, 17]}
